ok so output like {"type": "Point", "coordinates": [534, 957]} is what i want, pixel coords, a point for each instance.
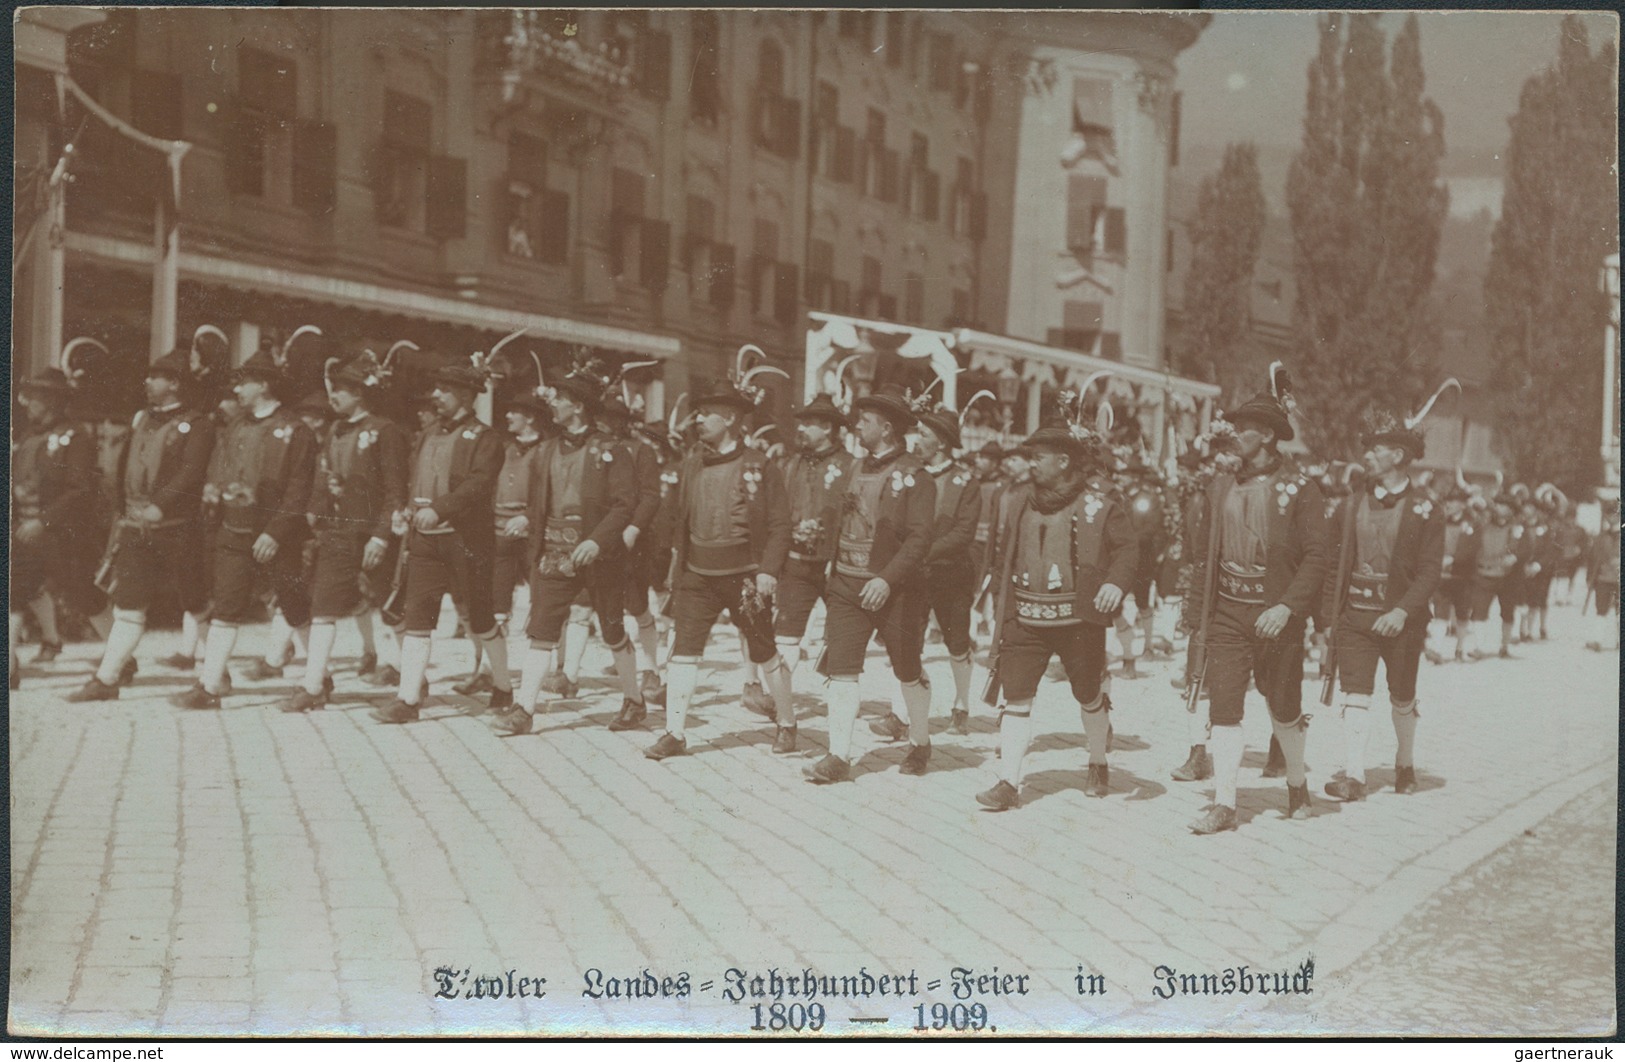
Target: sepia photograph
{"type": "Point", "coordinates": [813, 524]}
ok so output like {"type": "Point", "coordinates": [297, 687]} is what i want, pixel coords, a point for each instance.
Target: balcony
{"type": "Point", "coordinates": [529, 45]}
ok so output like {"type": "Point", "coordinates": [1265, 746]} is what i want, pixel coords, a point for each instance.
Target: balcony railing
{"type": "Point", "coordinates": [528, 44]}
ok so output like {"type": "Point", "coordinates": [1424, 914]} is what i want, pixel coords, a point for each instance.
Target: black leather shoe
{"type": "Point", "coordinates": [48, 651]}
{"type": "Point", "coordinates": [179, 661]}
{"type": "Point", "coordinates": [918, 756]}
{"type": "Point", "coordinates": [1198, 767]}
{"type": "Point", "coordinates": [557, 684]}
{"type": "Point", "coordinates": [1218, 819]}
{"type": "Point", "coordinates": [1002, 797]}
{"type": "Point", "coordinates": [959, 722]}
{"type": "Point", "coordinates": [1100, 780]}
{"type": "Point", "coordinates": [759, 700]}
{"type": "Point", "coordinates": [1297, 801]}
{"type": "Point", "coordinates": [304, 702]}
{"type": "Point", "coordinates": [632, 715]}
{"type": "Point", "coordinates": [515, 722]}
{"type": "Point", "coordinates": [474, 685]}
{"type": "Point", "coordinates": [654, 692]}
{"type": "Point", "coordinates": [262, 670]}
{"type": "Point", "coordinates": [666, 747]}
{"type": "Point", "coordinates": [784, 742]}
{"type": "Point", "coordinates": [198, 699]}
{"type": "Point", "coordinates": [501, 701]}
{"type": "Point", "coordinates": [1346, 790]}
{"type": "Point", "coordinates": [127, 673]}
{"type": "Point", "coordinates": [388, 675]}
{"type": "Point", "coordinates": [94, 690]}
{"type": "Point", "coordinates": [1404, 779]}
{"type": "Point", "coordinates": [367, 666]}
{"type": "Point", "coordinates": [828, 770]}
{"type": "Point", "coordinates": [889, 727]}
{"type": "Point", "coordinates": [397, 713]}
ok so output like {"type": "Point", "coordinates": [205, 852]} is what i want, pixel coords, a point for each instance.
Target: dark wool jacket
{"type": "Point", "coordinates": [958, 510]}
{"type": "Point", "coordinates": [1296, 554]}
{"type": "Point", "coordinates": [476, 462]}
{"type": "Point", "coordinates": [188, 441]}
{"type": "Point", "coordinates": [373, 486]}
{"type": "Point", "coordinates": [60, 487]}
{"type": "Point", "coordinates": [908, 509]}
{"type": "Point", "coordinates": [609, 493]}
{"type": "Point", "coordinates": [646, 466]}
{"type": "Point", "coordinates": [1463, 562]}
{"type": "Point", "coordinates": [831, 473]}
{"type": "Point", "coordinates": [1413, 568]}
{"type": "Point", "coordinates": [767, 506]}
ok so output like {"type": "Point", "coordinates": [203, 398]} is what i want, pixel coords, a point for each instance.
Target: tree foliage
{"type": "Point", "coordinates": [1367, 206]}
{"type": "Point", "coordinates": [1543, 300]}
{"type": "Point", "coordinates": [1225, 238]}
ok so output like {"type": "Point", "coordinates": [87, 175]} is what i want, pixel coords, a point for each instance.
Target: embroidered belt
{"type": "Point", "coordinates": [1046, 610]}
{"type": "Point", "coordinates": [560, 537]}
{"type": "Point", "coordinates": [1368, 593]}
{"type": "Point", "coordinates": [853, 558]}
{"type": "Point", "coordinates": [1242, 585]}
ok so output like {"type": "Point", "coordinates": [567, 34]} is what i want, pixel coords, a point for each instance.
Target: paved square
{"type": "Point", "coordinates": [246, 871]}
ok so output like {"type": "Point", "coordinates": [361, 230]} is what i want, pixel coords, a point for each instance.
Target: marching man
{"type": "Point", "coordinates": [154, 537]}
{"type": "Point", "coordinates": [1068, 552]}
{"type": "Point", "coordinates": [951, 575]}
{"type": "Point", "coordinates": [879, 582]}
{"type": "Point", "coordinates": [731, 538]}
{"type": "Point", "coordinates": [582, 494]}
{"type": "Point", "coordinates": [1261, 544]}
{"type": "Point", "coordinates": [360, 485]}
{"type": "Point", "coordinates": [1389, 545]}
{"type": "Point", "coordinates": [260, 479]}
{"type": "Point", "coordinates": [815, 482]}
{"type": "Point", "coordinates": [446, 526]}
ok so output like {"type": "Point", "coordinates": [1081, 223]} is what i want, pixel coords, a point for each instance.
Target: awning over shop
{"type": "Point", "coordinates": [362, 295]}
{"type": "Point", "coordinates": [996, 353]}
{"type": "Point", "coordinates": [832, 337]}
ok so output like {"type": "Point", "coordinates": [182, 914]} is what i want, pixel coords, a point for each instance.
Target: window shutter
{"type": "Point", "coordinates": [527, 159]}
{"type": "Point", "coordinates": [654, 75]}
{"type": "Point", "coordinates": [888, 307]}
{"type": "Point", "coordinates": [722, 275]}
{"type": "Point", "coordinates": [846, 148]}
{"type": "Point", "coordinates": [245, 151]}
{"type": "Point", "coordinates": [840, 296]}
{"type": "Point", "coordinates": [978, 216]}
{"type": "Point", "coordinates": [446, 197]}
{"type": "Point", "coordinates": [888, 176]}
{"type": "Point", "coordinates": [933, 196]}
{"type": "Point", "coordinates": [654, 254]}
{"type": "Point", "coordinates": [790, 127]}
{"type": "Point", "coordinates": [1111, 346]}
{"type": "Point", "coordinates": [553, 241]}
{"type": "Point", "coordinates": [1116, 231]}
{"type": "Point", "coordinates": [1173, 128]}
{"type": "Point", "coordinates": [315, 167]}
{"type": "Point", "coordinates": [268, 83]}
{"type": "Point", "coordinates": [786, 284]}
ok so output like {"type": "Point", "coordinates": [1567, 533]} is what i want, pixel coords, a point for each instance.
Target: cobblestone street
{"type": "Point", "coordinates": [246, 871]}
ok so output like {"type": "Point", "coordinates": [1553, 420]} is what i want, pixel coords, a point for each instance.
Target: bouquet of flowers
{"type": "Point", "coordinates": [807, 534]}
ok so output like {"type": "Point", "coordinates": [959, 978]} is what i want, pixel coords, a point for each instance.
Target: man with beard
{"type": "Point", "coordinates": [1262, 539]}
{"type": "Point", "coordinates": [260, 480]}
{"type": "Point", "coordinates": [582, 494]}
{"type": "Point", "coordinates": [878, 583]}
{"type": "Point", "coordinates": [446, 525]}
{"type": "Point", "coordinates": [360, 485]}
{"type": "Point", "coordinates": [1068, 552]}
{"type": "Point", "coordinates": [1388, 542]}
{"type": "Point", "coordinates": [166, 461]}
{"type": "Point", "coordinates": [815, 479]}
{"type": "Point", "coordinates": [732, 537]}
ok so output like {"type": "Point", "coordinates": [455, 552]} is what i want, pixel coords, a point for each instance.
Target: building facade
{"type": "Point", "coordinates": [644, 184]}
